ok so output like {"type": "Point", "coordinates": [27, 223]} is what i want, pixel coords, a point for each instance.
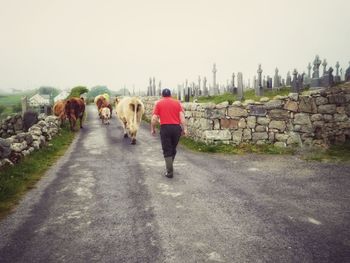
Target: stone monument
{"type": "Point", "coordinates": [276, 80]}
{"type": "Point", "coordinates": [205, 89]}
{"type": "Point", "coordinates": [154, 87]}
{"type": "Point", "coordinates": [295, 84]}
{"type": "Point", "coordinates": [288, 79]}
{"type": "Point", "coordinates": [315, 81]}
{"type": "Point", "coordinates": [337, 77]}
{"type": "Point", "coordinates": [259, 88]}
{"type": "Point", "coordinates": [240, 86]}
{"type": "Point", "coordinates": [327, 79]}
{"type": "Point", "coordinates": [324, 64]}
{"type": "Point", "coordinates": [347, 74]}
{"type": "Point", "coordinates": [215, 88]}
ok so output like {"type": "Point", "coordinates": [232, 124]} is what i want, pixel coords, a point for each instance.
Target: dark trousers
{"type": "Point", "coordinates": [170, 135]}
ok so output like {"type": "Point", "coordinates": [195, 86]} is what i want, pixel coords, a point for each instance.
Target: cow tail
{"type": "Point", "coordinates": [135, 116]}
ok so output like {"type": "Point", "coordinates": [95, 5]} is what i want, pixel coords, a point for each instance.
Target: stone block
{"type": "Point", "coordinates": [216, 124]}
{"type": "Point", "coordinates": [247, 134]}
{"type": "Point", "coordinates": [328, 117]}
{"type": "Point", "coordinates": [260, 128]}
{"type": "Point", "coordinates": [257, 110]}
{"type": "Point", "coordinates": [302, 119]}
{"type": "Point", "coordinates": [291, 106]}
{"type": "Point", "coordinates": [259, 136]}
{"type": "Point", "coordinates": [280, 144]}
{"type": "Point", "coordinates": [293, 96]}
{"type": "Point", "coordinates": [327, 109]}
{"type": "Point", "coordinates": [218, 135]}
{"type": "Point", "coordinates": [340, 117]}
{"type": "Point", "coordinates": [280, 125]}
{"type": "Point", "coordinates": [237, 136]}
{"type": "Point", "coordinates": [281, 137]}
{"type": "Point", "coordinates": [294, 139]}
{"type": "Point", "coordinates": [251, 122]}
{"type": "Point", "coordinates": [206, 124]}
{"type": "Point", "coordinates": [307, 104]}
{"type": "Point", "coordinates": [229, 124]}
{"type": "Point", "coordinates": [242, 123]}
{"type": "Point", "coordinates": [316, 117]}
{"type": "Point", "coordinates": [273, 104]}
{"type": "Point", "coordinates": [233, 111]}
{"type": "Point", "coordinates": [337, 99]}
{"type": "Point", "coordinates": [263, 121]}
{"type": "Point", "coordinates": [215, 113]}
{"type": "Point", "coordinates": [271, 136]}
{"type": "Point", "coordinates": [321, 100]}
{"type": "Point", "coordinates": [278, 114]}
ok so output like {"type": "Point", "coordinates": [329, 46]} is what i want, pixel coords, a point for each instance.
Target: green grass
{"type": "Point", "coordinates": [231, 149]}
{"type": "Point", "coordinates": [16, 180]}
{"type": "Point", "coordinates": [336, 153]}
{"type": "Point", "coordinates": [248, 95]}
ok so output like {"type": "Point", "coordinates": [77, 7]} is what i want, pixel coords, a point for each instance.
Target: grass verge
{"type": "Point", "coordinates": [230, 149]}
{"type": "Point", "coordinates": [335, 153]}
{"type": "Point", "coordinates": [16, 180]}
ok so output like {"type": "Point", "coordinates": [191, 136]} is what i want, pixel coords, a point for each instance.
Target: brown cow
{"type": "Point", "coordinates": [101, 101]}
{"type": "Point", "coordinates": [58, 109]}
{"type": "Point", "coordinates": [74, 109]}
{"type": "Point", "coordinates": [129, 111]}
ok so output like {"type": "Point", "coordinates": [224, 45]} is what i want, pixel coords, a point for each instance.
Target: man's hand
{"type": "Point", "coordinates": [153, 131]}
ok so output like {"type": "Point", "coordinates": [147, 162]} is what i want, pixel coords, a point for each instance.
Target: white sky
{"type": "Point", "coordinates": [65, 43]}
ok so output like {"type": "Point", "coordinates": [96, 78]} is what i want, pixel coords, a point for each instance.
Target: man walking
{"type": "Point", "coordinates": [170, 114]}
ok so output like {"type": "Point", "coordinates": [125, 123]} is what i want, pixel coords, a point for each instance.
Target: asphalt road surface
{"type": "Point", "coordinates": [107, 201]}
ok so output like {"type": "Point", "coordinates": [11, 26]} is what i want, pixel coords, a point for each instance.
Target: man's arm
{"type": "Point", "coordinates": [154, 122]}
{"type": "Point", "coordinates": [183, 122]}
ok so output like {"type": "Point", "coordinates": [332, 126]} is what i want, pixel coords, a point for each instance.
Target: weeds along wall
{"type": "Point", "coordinates": [318, 118]}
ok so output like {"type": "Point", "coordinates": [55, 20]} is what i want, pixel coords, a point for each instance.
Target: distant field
{"type": "Point", "coordinates": [11, 100]}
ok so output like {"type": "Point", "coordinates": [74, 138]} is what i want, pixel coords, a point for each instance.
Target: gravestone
{"type": "Point", "coordinates": [337, 77]}
{"type": "Point", "coordinates": [289, 80]}
{"type": "Point", "coordinates": [324, 64]}
{"type": "Point", "coordinates": [309, 70]}
{"type": "Point", "coordinates": [240, 86]}
{"type": "Point", "coordinates": [301, 81]}
{"type": "Point", "coordinates": [327, 79]}
{"type": "Point", "coordinates": [159, 91]}
{"type": "Point", "coordinates": [276, 80]}
{"type": "Point", "coordinates": [269, 82]}
{"type": "Point", "coordinates": [205, 89]}
{"type": "Point", "coordinates": [347, 73]}
{"type": "Point", "coordinates": [315, 81]}
{"type": "Point", "coordinates": [295, 85]}
{"type": "Point", "coordinates": [259, 88]}
{"type": "Point", "coordinates": [154, 87]}
{"type": "Point", "coordinates": [215, 88]}
{"type": "Point", "coordinates": [199, 86]}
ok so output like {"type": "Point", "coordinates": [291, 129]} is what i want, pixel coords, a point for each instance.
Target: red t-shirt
{"type": "Point", "coordinates": [168, 110]}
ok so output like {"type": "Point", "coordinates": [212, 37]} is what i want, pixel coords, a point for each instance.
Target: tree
{"type": "Point", "coordinates": [77, 91]}
{"type": "Point", "coordinates": [53, 92]}
{"type": "Point", "coordinates": [97, 90]}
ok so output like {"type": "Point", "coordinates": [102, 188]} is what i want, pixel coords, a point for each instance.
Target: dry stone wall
{"type": "Point", "coordinates": [322, 118]}
{"type": "Point", "coordinates": [20, 143]}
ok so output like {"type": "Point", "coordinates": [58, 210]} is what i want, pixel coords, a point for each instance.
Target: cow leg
{"type": "Point", "coordinates": [125, 131]}
{"type": "Point", "coordinates": [81, 121]}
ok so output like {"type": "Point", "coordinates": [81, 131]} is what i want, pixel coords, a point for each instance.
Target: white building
{"type": "Point", "coordinates": [39, 100]}
{"type": "Point", "coordinates": [62, 96]}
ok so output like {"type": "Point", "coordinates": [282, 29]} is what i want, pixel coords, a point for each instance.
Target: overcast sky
{"type": "Point", "coordinates": [64, 43]}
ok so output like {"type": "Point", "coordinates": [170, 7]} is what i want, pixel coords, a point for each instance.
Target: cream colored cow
{"type": "Point", "coordinates": [129, 111]}
{"type": "Point", "coordinates": [105, 114]}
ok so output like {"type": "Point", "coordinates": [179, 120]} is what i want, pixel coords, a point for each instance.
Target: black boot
{"type": "Point", "coordinates": [169, 167]}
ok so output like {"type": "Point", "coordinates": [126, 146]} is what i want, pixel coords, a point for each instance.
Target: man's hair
{"type": "Point", "coordinates": [166, 93]}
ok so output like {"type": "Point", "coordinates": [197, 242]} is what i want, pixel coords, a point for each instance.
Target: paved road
{"type": "Point", "coordinates": [106, 201]}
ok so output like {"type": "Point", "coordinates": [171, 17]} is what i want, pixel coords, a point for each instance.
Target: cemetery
{"type": "Point", "coordinates": [315, 112]}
